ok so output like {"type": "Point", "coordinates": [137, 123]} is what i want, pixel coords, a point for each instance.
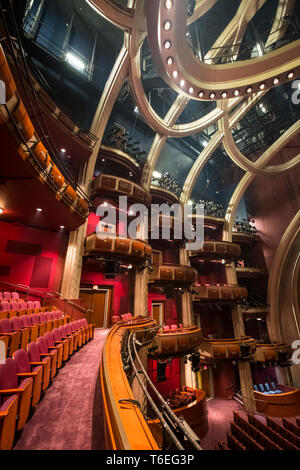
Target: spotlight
{"type": "Point", "coordinates": [62, 227]}
{"type": "Point", "coordinates": [39, 210]}
{"type": "Point", "coordinates": [63, 150]}
{"type": "Point", "coordinates": [1, 210]}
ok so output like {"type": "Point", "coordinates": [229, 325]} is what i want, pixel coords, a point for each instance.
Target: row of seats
{"type": "Point", "coordinates": [181, 397]}
{"type": "Point", "coordinates": [255, 434]}
{"type": "Point", "coordinates": [267, 389]}
{"type": "Point", "coordinates": [29, 372]}
{"type": "Point", "coordinates": [12, 308]}
{"type": "Point", "coordinates": [172, 327]}
{"type": "Point", "coordinates": [125, 317]}
{"type": "Point", "coordinates": [27, 137]}
{"type": "Point", "coordinates": [9, 296]}
{"type": "Point", "coordinates": [18, 332]}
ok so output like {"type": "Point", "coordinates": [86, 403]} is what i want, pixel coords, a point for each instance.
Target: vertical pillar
{"type": "Point", "coordinates": [141, 293]}
{"type": "Point", "coordinates": [187, 304]}
{"type": "Point", "coordinates": [73, 264]}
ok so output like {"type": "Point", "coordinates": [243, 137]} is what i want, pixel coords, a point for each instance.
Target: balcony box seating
{"type": "Point", "coordinates": [14, 336]}
{"type": "Point", "coordinates": [25, 370]}
{"type": "Point", "coordinates": [11, 384]}
{"type": "Point", "coordinates": [25, 332]}
{"type": "Point", "coordinates": [58, 340]}
{"type": "Point", "coordinates": [8, 420]}
{"type": "Point", "coordinates": [44, 352]}
{"type": "Point", "coordinates": [36, 360]}
{"type": "Point", "coordinates": [52, 346]}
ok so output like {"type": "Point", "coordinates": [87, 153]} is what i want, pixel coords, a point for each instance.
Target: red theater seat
{"type": "Point", "coordinates": [14, 336]}
{"type": "Point", "coordinates": [25, 370]}
{"type": "Point", "coordinates": [45, 352]}
{"type": "Point", "coordinates": [36, 360]}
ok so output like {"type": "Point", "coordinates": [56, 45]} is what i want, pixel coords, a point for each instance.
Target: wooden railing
{"type": "Point", "coordinates": [177, 342]}
{"type": "Point", "coordinates": [95, 245]}
{"type": "Point", "coordinates": [218, 250]}
{"type": "Point", "coordinates": [115, 186]}
{"type": "Point", "coordinates": [125, 425]}
{"type": "Point", "coordinates": [274, 352]}
{"type": "Point", "coordinates": [173, 273]}
{"type": "Point", "coordinates": [219, 293]}
{"type": "Point", "coordinates": [251, 272]}
{"type": "Point", "coordinates": [220, 349]}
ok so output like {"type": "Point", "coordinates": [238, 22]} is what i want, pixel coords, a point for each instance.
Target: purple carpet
{"type": "Point", "coordinates": [220, 414]}
{"type": "Point", "coordinates": [69, 416]}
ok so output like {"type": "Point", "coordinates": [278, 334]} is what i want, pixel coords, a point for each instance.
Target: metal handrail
{"type": "Point", "coordinates": [179, 423]}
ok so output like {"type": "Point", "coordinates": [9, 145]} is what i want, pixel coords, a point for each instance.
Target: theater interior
{"type": "Point", "coordinates": [116, 333]}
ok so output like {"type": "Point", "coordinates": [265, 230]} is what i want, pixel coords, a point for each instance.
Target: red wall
{"type": "Point", "coordinates": [224, 380]}
{"type": "Point", "coordinates": [120, 285]}
{"type": "Point", "coordinates": [170, 307]}
{"type": "Point", "coordinates": [172, 374]}
{"type": "Point", "coordinates": [45, 267]}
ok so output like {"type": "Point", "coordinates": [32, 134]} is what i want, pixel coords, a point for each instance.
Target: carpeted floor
{"type": "Point", "coordinates": [69, 416]}
{"type": "Point", "coordinates": [220, 414]}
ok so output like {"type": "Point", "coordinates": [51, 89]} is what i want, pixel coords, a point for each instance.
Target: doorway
{"type": "Point", "coordinates": [99, 304]}
{"type": "Point", "coordinates": [158, 312]}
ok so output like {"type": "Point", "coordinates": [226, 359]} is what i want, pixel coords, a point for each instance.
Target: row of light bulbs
{"type": "Point", "coordinates": [167, 25]}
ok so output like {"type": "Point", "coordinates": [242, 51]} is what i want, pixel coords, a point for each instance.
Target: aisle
{"type": "Point", "coordinates": [69, 416]}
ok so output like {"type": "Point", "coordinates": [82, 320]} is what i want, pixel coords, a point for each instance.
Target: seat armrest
{"type": "Point", "coordinates": [45, 355]}
{"type": "Point", "coordinates": [27, 374]}
{"type": "Point", "coordinates": [58, 342]}
{"type": "Point", "coordinates": [12, 391]}
{"type": "Point", "coordinates": [38, 363]}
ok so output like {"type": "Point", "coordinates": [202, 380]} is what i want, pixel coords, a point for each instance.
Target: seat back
{"type": "Point", "coordinates": [42, 317]}
{"type": "Point", "coordinates": [14, 305]}
{"type": "Point", "coordinates": [6, 295]}
{"type": "Point", "coordinates": [22, 361]}
{"type": "Point", "coordinates": [56, 334]}
{"type": "Point", "coordinates": [255, 387]}
{"type": "Point", "coordinates": [34, 319]}
{"type": "Point", "coordinates": [22, 305]}
{"type": "Point", "coordinates": [37, 304]}
{"type": "Point", "coordinates": [26, 321]}
{"type": "Point", "coordinates": [16, 323]}
{"type": "Point", "coordinates": [30, 304]}
{"type": "Point", "coordinates": [34, 352]}
{"type": "Point", "coordinates": [15, 296]}
{"type": "Point", "coordinates": [173, 327]}
{"type": "Point", "coordinates": [43, 345]}
{"type": "Point", "coordinates": [68, 328]}
{"type": "Point", "coordinates": [49, 316]}
{"type": "Point", "coordinates": [166, 328]}
{"type": "Point", "coordinates": [262, 388]}
{"type": "Point", "coordinates": [8, 375]}
{"type": "Point", "coordinates": [64, 331]}
{"type": "Point", "coordinates": [1, 296]}
{"type": "Point", "coordinates": [5, 326]}
{"type": "Point", "coordinates": [5, 305]}
{"type": "Point", "coordinates": [49, 339]}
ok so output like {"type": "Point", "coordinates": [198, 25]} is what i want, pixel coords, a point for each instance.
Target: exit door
{"type": "Point", "coordinates": [99, 303]}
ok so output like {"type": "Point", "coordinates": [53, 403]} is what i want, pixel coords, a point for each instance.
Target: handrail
{"type": "Point", "coordinates": [182, 425]}
{"type": "Point", "coordinates": [39, 117]}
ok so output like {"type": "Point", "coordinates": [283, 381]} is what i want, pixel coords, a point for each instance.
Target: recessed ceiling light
{"type": "Point", "coordinates": [262, 86]}
{"type": "Point", "coordinates": [290, 75]}
{"type": "Point", "coordinates": [249, 89]}
{"type": "Point", "coordinates": [224, 94]}
{"type": "Point", "coordinates": [168, 4]}
{"type": "Point", "coordinates": [182, 83]}
{"type": "Point", "coordinates": [236, 92]}
{"type": "Point", "coordinates": [167, 44]}
{"type": "Point", "coordinates": [212, 95]}
{"type": "Point", "coordinates": [170, 60]}
{"type": "Point", "coordinates": [63, 150]}
{"type": "Point", "coordinates": [167, 25]}
{"type": "Point", "coordinates": [1, 210]}
{"type": "Point", "coordinates": [175, 73]}
{"type": "Point", "coordinates": [39, 210]}
{"type": "Point", "coordinates": [62, 227]}
{"type": "Point", "coordinates": [275, 81]}
{"type": "Point", "coordinates": [191, 90]}
{"type": "Point", "coordinates": [201, 94]}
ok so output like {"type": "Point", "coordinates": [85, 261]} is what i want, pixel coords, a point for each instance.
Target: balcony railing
{"type": "Point", "coordinates": [116, 245]}
{"type": "Point", "coordinates": [177, 342]}
{"type": "Point", "coordinates": [115, 186]}
{"type": "Point", "coordinates": [275, 352]}
{"type": "Point", "coordinates": [219, 293]}
{"type": "Point", "coordinates": [218, 250]}
{"type": "Point", "coordinates": [233, 349]}
{"type": "Point", "coordinates": [173, 273]}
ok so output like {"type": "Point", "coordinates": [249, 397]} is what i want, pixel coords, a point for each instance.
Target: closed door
{"type": "Point", "coordinates": [158, 313]}
{"type": "Point", "coordinates": [99, 305]}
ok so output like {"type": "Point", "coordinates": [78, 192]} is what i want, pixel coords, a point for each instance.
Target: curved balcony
{"type": "Point", "coordinates": [116, 155]}
{"type": "Point", "coordinates": [232, 349]}
{"type": "Point", "coordinates": [162, 195]}
{"type": "Point", "coordinates": [195, 413]}
{"type": "Point", "coordinates": [124, 422]}
{"type": "Point", "coordinates": [255, 312]}
{"type": "Point", "coordinates": [219, 250]}
{"type": "Point", "coordinates": [251, 272]}
{"type": "Point", "coordinates": [177, 342]}
{"type": "Point", "coordinates": [115, 186]}
{"type": "Point", "coordinates": [173, 274]}
{"type": "Point", "coordinates": [275, 352]}
{"type": "Point", "coordinates": [126, 247]}
{"type": "Point", "coordinates": [285, 404]}
{"type": "Point", "coordinates": [219, 293]}
{"type": "Point", "coordinates": [243, 237]}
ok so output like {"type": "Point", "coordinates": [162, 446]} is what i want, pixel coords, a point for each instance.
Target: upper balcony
{"type": "Point", "coordinates": [136, 250]}
{"type": "Point", "coordinates": [274, 353]}
{"type": "Point", "coordinates": [216, 293]}
{"type": "Point", "coordinates": [177, 342]}
{"type": "Point", "coordinates": [217, 250]}
{"type": "Point", "coordinates": [250, 272]}
{"type": "Point", "coordinates": [232, 349]}
{"type": "Point", "coordinates": [173, 274]}
{"type": "Point", "coordinates": [115, 186]}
